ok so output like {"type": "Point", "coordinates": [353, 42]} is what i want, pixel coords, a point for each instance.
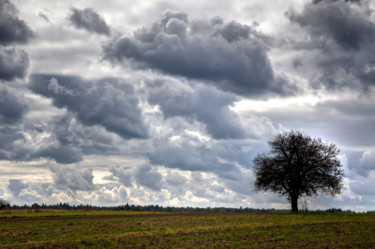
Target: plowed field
{"type": "Point", "coordinates": [186, 230]}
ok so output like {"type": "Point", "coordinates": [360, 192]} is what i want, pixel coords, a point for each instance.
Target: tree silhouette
{"type": "Point", "coordinates": [3, 203]}
{"type": "Point", "coordinates": [298, 165]}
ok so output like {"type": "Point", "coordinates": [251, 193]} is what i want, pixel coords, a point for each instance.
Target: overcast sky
{"type": "Point", "coordinates": [167, 102]}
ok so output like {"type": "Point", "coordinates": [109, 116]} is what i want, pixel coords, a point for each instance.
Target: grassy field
{"type": "Point", "coordinates": [96, 229]}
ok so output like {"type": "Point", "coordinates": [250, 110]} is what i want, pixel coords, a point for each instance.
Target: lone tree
{"type": "Point", "coordinates": [298, 165]}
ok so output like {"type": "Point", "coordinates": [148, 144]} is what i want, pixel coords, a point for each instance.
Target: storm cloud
{"type": "Point", "coordinates": [189, 151]}
{"type": "Point", "coordinates": [231, 56]}
{"type": "Point", "coordinates": [16, 186]}
{"type": "Point", "coordinates": [13, 63]}
{"type": "Point", "coordinates": [140, 175]}
{"type": "Point", "coordinates": [11, 144]}
{"type": "Point", "coordinates": [345, 31]}
{"type": "Point", "coordinates": [12, 107]}
{"type": "Point", "coordinates": [106, 102]}
{"type": "Point", "coordinates": [60, 153]}
{"type": "Point", "coordinates": [12, 29]}
{"type": "Point", "coordinates": [88, 19]}
{"type": "Point", "coordinates": [348, 24]}
{"type": "Point", "coordinates": [73, 178]}
{"type": "Point", "coordinates": [205, 104]}
{"type": "Point", "coordinates": [69, 132]}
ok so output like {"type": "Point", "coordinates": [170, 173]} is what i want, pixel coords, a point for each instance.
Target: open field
{"type": "Point", "coordinates": [96, 229]}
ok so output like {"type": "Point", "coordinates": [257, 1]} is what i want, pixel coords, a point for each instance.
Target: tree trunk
{"type": "Point", "coordinates": [294, 202]}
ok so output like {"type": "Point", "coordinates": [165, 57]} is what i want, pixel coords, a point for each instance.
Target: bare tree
{"type": "Point", "coordinates": [298, 165]}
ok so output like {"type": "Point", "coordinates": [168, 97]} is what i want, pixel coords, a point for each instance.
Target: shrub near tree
{"type": "Point", "coordinates": [298, 165]}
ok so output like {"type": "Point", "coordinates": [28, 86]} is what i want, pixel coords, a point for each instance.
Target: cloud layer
{"type": "Point", "coordinates": [345, 32]}
{"type": "Point", "coordinates": [88, 19]}
{"type": "Point", "coordinates": [231, 56]}
{"type": "Point", "coordinates": [13, 63]}
{"type": "Point", "coordinates": [12, 29]}
{"type": "Point", "coordinates": [107, 102]}
{"type": "Point", "coordinates": [168, 102]}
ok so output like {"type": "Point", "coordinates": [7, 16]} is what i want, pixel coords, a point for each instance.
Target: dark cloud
{"type": "Point", "coordinates": [12, 108]}
{"type": "Point", "coordinates": [142, 175]}
{"type": "Point", "coordinates": [73, 178]}
{"type": "Point", "coordinates": [44, 17]}
{"type": "Point", "coordinates": [18, 143]}
{"type": "Point", "coordinates": [366, 162]}
{"type": "Point", "coordinates": [351, 123]}
{"type": "Point", "coordinates": [106, 102]}
{"type": "Point", "coordinates": [234, 31]}
{"type": "Point", "coordinates": [318, 1]}
{"type": "Point", "coordinates": [348, 70]}
{"type": "Point", "coordinates": [122, 174]}
{"type": "Point", "coordinates": [364, 187]}
{"type": "Point", "coordinates": [23, 191]}
{"type": "Point", "coordinates": [61, 153]}
{"type": "Point", "coordinates": [63, 140]}
{"type": "Point", "coordinates": [343, 22]}
{"type": "Point", "coordinates": [11, 144]}
{"type": "Point", "coordinates": [88, 139]}
{"type": "Point", "coordinates": [88, 19]}
{"type": "Point", "coordinates": [16, 186]}
{"type": "Point", "coordinates": [13, 63]}
{"type": "Point", "coordinates": [148, 177]}
{"type": "Point", "coordinates": [175, 179]}
{"type": "Point", "coordinates": [230, 56]}
{"type": "Point", "coordinates": [205, 104]}
{"type": "Point", "coordinates": [226, 161]}
{"type": "Point", "coordinates": [297, 63]}
{"type": "Point", "coordinates": [346, 122]}
{"type": "Point", "coordinates": [186, 158]}
{"type": "Point", "coordinates": [345, 34]}
{"type": "Point", "coordinates": [187, 153]}
{"type": "Point", "coordinates": [12, 138]}
{"type": "Point", "coordinates": [12, 29]}
{"type": "Point", "coordinates": [359, 163]}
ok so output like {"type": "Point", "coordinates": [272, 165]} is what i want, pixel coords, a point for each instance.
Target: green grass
{"type": "Point", "coordinates": [180, 230]}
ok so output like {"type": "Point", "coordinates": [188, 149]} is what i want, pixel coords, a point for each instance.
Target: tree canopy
{"type": "Point", "coordinates": [298, 165]}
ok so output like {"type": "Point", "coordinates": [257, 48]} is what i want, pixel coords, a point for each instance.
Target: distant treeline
{"type": "Point", "coordinates": [159, 208]}
{"type": "Point", "coordinates": [150, 208]}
